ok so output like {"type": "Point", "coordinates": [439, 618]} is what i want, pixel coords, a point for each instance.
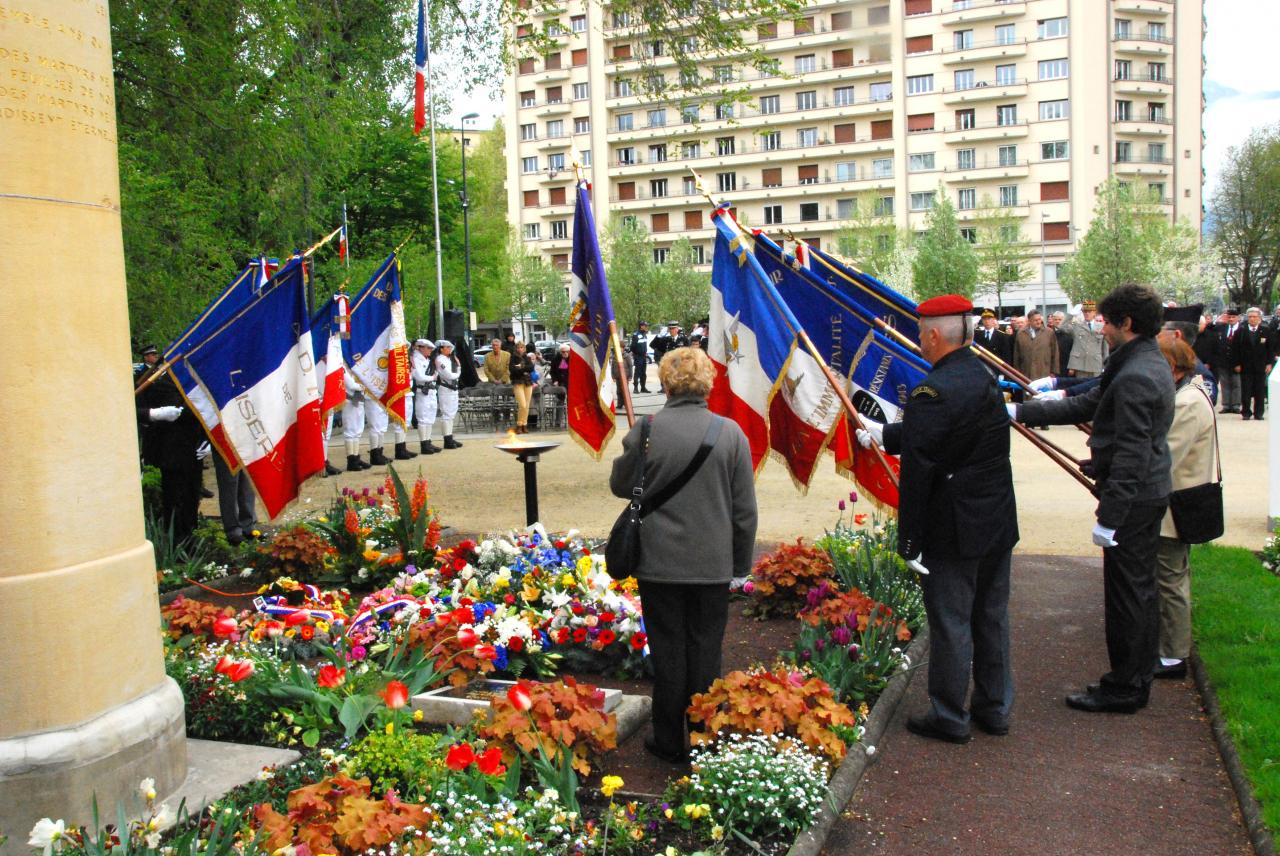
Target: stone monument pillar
{"type": "Point", "coordinates": [85, 705]}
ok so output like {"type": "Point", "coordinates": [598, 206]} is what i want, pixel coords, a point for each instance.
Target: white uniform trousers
{"type": "Point", "coordinates": [424, 404]}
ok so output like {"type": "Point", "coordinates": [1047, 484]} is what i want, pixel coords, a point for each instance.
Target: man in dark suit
{"type": "Point", "coordinates": [957, 523]}
{"type": "Point", "coordinates": [992, 338]}
{"type": "Point", "coordinates": [171, 442]}
{"type": "Point", "coordinates": [1065, 339]}
{"type": "Point", "coordinates": [1228, 324]}
{"type": "Point", "coordinates": [1253, 354]}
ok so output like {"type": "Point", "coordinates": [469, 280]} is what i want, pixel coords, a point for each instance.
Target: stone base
{"type": "Point", "coordinates": [57, 774]}
{"type": "Point", "coordinates": [215, 768]}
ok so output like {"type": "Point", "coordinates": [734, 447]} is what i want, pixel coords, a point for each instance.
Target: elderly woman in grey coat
{"type": "Point", "coordinates": [692, 544]}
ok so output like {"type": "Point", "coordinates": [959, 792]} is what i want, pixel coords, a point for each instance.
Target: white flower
{"type": "Point", "coordinates": [45, 833]}
{"type": "Point", "coordinates": [148, 789]}
{"type": "Point", "coordinates": [871, 750]}
{"type": "Point", "coordinates": [162, 819]}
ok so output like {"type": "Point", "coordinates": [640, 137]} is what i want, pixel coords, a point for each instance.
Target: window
{"type": "Point", "coordinates": [528, 165]}
{"type": "Point", "coordinates": [770, 141]}
{"type": "Point", "coordinates": [846, 171]}
{"type": "Point", "coordinates": [962, 40]}
{"type": "Point", "coordinates": [689, 187]}
{"type": "Point", "coordinates": [555, 163]}
{"type": "Point", "coordinates": [882, 168]}
{"type": "Point", "coordinates": [1155, 112]}
{"type": "Point", "coordinates": [693, 219]}
{"type": "Point", "coordinates": [528, 99]}
{"type": "Point", "coordinates": [807, 173]}
{"type": "Point", "coordinates": [622, 51]}
{"type": "Point", "coordinates": [882, 92]}
{"type": "Point", "coordinates": [803, 26]}
{"type": "Point", "coordinates": [1156, 32]}
{"type": "Point", "coordinates": [1124, 69]}
{"type": "Point", "coordinates": [555, 196]}
{"type": "Point", "coordinates": [841, 96]}
{"type": "Point", "coordinates": [1124, 111]}
{"type": "Point", "coordinates": [841, 20]}
{"type": "Point", "coordinates": [559, 230]}
{"type": "Point", "coordinates": [655, 48]}
{"type": "Point", "coordinates": [883, 207]}
{"type": "Point", "coordinates": [553, 61]}
{"type": "Point", "coordinates": [689, 114]}
{"type": "Point", "coordinates": [629, 219]}
{"type": "Point", "coordinates": [689, 77]}
{"type": "Point", "coordinates": [1055, 232]}
{"type": "Point", "coordinates": [1156, 190]}
{"type": "Point", "coordinates": [1006, 75]}
{"type": "Point", "coordinates": [660, 222]}
{"type": "Point", "coordinates": [808, 212]}
{"type": "Point", "coordinates": [842, 58]}
{"type": "Point", "coordinates": [691, 150]}
{"type": "Point", "coordinates": [582, 125]}
{"type": "Point", "coordinates": [1007, 114]}
{"type": "Point", "coordinates": [658, 153]}
{"type": "Point", "coordinates": [920, 163]}
{"type": "Point", "coordinates": [1155, 70]}
{"type": "Point", "coordinates": [1055, 191]}
{"type": "Point", "coordinates": [660, 254]}
{"type": "Point", "coordinates": [579, 57]}
{"type": "Point", "coordinates": [578, 23]}
{"type": "Point", "coordinates": [621, 87]}
{"type": "Point", "coordinates": [724, 145]}
{"type": "Point", "coordinates": [724, 111]}
{"type": "Point", "coordinates": [1053, 69]}
{"type": "Point", "coordinates": [1006, 34]}
{"type": "Point", "coordinates": [770, 104]}
{"type": "Point", "coordinates": [1057, 150]}
{"type": "Point", "coordinates": [657, 118]}
{"type": "Point", "coordinates": [1155, 152]}
{"type": "Point", "coordinates": [1008, 195]}
{"type": "Point", "coordinates": [1050, 110]}
{"type": "Point", "coordinates": [723, 73]}
{"type": "Point", "coordinates": [918, 7]}
{"type": "Point", "coordinates": [765, 32]}
{"type": "Point", "coordinates": [1124, 28]}
{"type": "Point", "coordinates": [967, 199]}
{"type": "Point", "coordinates": [1124, 151]}
{"type": "Point", "coordinates": [919, 44]}
{"type": "Point", "coordinates": [581, 91]}
{"type": "Point", "coordinates": [1008, 155]}
{"type": "Point", "coordinates": [555, 94]}
{"type": "Point", "coordinates": [586, 157]}
{"type": "Point", "coordinates": [807, 100]}
{"type": "Point", "coordinates": [922, 201]}
{"type": "Point", "coordinates": [919, 122]}
{"type": "Point", "coordinates": [529, 132]}
{"type": "Point", "coordinates": [771, 176]}
{"type": "Point", "coordinates": [532, 231]}
{"type": "Point", "coordinates": [806, 137]}
{"type": "Point", "coordinates": [806, 63]}
{"type": "Point", "coordinates": [1051, 269]}
{"type": "Point", "coordinates": [526, 66]}
{"type": "Point", "coordinates": [626, 156]}
{"type": "Point", "coordinates": [772, 215]}
{"type": "Point", "coordinates": [1051, 28]}
{"type": "Point", "coordinates": [555, 128]}
{"type": "Point", "coordinates": [846, 209]}
{"type": "Point", "coordinates": [966, 119]}
{"type": "Point", "coordinates": [625, 121]}
{"type": "Point", "coordinates": [966, 158]}
{"type": "Point", "coordinates": [844, 133]}
{"type": "Point", "coordinates": [964, 79]}
{"type": "Point", "coordinates": [970, 234]}
{"type": "Point", "coordinates": [726, 181]}
{"type": "Point", "coordinates": [882, 129]}
{"type": "Point", "coordinates": [919, 83]}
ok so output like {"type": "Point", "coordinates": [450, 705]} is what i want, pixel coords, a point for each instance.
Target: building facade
{"type": "Point", "coordinates": [1026, 104]}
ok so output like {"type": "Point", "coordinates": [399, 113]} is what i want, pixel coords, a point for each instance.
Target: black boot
{"type": "Point", "coordinates": [428, 448]}
{"type": "Point", "coordinates": [330, 469]}
{"type": "Point", "coordinates": [377, 458]}
{"type": "Point", "coordinates": [450, 443]}
{"type": "Point", "coordinates": [403, 453]}
{"type": "Point", "coordinates": [355, 465]}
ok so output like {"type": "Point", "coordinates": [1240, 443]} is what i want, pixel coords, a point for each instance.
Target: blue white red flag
{"type": "Point", "coordinates": [870, 294]}
{"type": "Point", "coordinates": [592, 396]}
{"type": "Point", "coordinates": [266, 268]}
{"type": "Point", "coordinates": [326, 344]}
{"type": "Point", "coordinates": [377, 351]}
{"type": "Point", "coordinates": [259, 371]}
{"type": "Point", "coordinates": [420, 72]}
{"type": "Point", "coordinates": [343, 249]}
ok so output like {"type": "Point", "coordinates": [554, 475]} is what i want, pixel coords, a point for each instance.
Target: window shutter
{"type": "Point", "coordinates": [622, 51]}
{"type": "Point", "coordinates": [526, 66]}
{"type": "Point", "coordinates": [919, 44]}
{"type": "Point", "coordinates": [771, 176]}
{"type": "Point", "coordinates": [920, 122]}
{"type": "Point", "coordinates": [842, 58]}
{"type": "Point", "coordinates": [553, 60]}
{"type": "Point", "coordinates": [804, 26]}
{"type": "Point", "coordinates": [919, 7]}
{"type": "Point", "coordinates": [661, 222]}
{"type": "Point", "coordinates": [556, 196]}
{"type": "Point", "coordinates": [844, 133]}
{"type": "Point", "coordinates": [531, 199]}
{"type": "Point", "coordinates": [693, 219]}
{"type": "Point", "coordinates": [882, 129]}
{"type": "Point", "coordinates": [560, 261]}
{"type": "Point", "coordinates": [554, 94]}
{"type": "Point", "coordinates": [1054, 191]}
{"type": "Point", "coordinates": [816, 243]}
{"type": "Point", "coordinates": [807, 171]}
{"type": "Point", "coordinates": [841, 20]}
{"type": "Point", "coordinates": [579, 56]}
{"type": "Point", "coordinates": [1057, 231]}
{"type": "Point", "coordinates": [626, 190]}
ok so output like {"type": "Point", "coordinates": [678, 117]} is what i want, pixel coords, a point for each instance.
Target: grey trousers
{"type": "Point", "coordinates": [235, 499]}
{"type": "Point", "coordinates": [967, 601]}
{"type": "Point", "coordinates": [1229, 389]}
{"type": "Point", "coordinates": [1173, 582]}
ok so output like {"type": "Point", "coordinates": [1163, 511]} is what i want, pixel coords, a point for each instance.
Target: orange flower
{"type": "Point", "coordinates": [330, 676]}
{"type": "Point", "coordinates": [351, 521]}
{"type": "Point", "coordinates": [396, 695]}
{"type": "Point", "coordinates": [307, 632]}
{"type": "Point", "coordinates": [419, 499]}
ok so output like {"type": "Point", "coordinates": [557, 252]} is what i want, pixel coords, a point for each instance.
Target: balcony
{"type": "Point", "coordinates": [1142, 166]}
{"type": "Point", "coordinates": [1144, 127]}
{"type": "Point", "coordinates": [968, 13]}
{"type": "Point", "coordinates": [752, 117]}
{"type": "Point", "coordinates": [824, 150]}
{"type": "Point", "coordinates": [554, 108]}
{"type": "Point", "coordinates": [550, 75]}
{"type": "Point", "coordinates": [986, 170]}
{"type": "Point", "coordinates": [558, 141]}
{"type": "Point", "coordinates": [984, 51]}
{"type": "Point", "coordinates": [985, 91]}
{"type": "Point", "coordinates": [1145, 45]}
{"type": "Point", "coordinates": [1143, 84]}
{"type": "Point", "coordinates": [1143, 7]}
{"type": "Point", "coordinates": [984, 131]}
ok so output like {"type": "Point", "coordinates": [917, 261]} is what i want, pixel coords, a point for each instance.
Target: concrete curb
{"type": "Point", "coordinates": [1261, 838]}
{"type": "Point", "coordinates": [845, 781]}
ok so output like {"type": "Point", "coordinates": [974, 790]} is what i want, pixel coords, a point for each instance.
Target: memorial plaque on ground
{"type": "Point", "coordinates": [458, 705]}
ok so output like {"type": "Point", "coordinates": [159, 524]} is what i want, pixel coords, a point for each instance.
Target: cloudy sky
{"type": "Point", "coordinates": [1242, 89]}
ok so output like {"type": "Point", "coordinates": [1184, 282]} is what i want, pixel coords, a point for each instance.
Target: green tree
{"type": "Point", "coordinates": [1186, 269]}
{"type": "Point", "coordinates": [685, 292]}
{"type": "Point", "coordinates": [945, 262]}
{"type": "Point", "coordinates": [1246, 217]}
{"type": "Point", "coordinates": [870, 240]}
{"type": "Point", "coordinates": [535, 291]}
{"type": "Point", "coordinates": [632, 275]}
{"type": "Point", "coordinates": [1119, 247]}
{"type": "Point", "coordinates": [1001, 249]}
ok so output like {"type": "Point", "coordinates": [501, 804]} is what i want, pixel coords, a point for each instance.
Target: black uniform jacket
{"type": "Point", "coordinates": [169, 445]}
{"type": "Point", "coordinates": [1253, 352]}
{"type": "Point", "coordinates": [956, 486]}
{"type": "Point", "coordinates": [1000, 344]}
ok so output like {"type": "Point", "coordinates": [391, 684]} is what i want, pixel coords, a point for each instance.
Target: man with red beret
{"type": "Point", "coordinates": [957, 523]}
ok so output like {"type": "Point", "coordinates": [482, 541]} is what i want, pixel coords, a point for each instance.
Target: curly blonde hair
{"type": "Point", "coordinates": [687, 371]}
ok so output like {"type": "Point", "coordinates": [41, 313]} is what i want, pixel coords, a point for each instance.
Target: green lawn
{"type": "Point", "coordinates": [1236, 618]}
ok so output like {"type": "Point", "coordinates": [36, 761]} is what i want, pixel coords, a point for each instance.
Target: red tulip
{"type": "Point", "coordinates": [396, 695]}
{"type": "Point", "coordinates": [467, 637]}
{"type": "Point", "coordinates": [459, 757]}
{"type": "Point", "coordinates": [489, 762]}
{"type": "Point", "coordinates": [237, 672]}
{"type": "Point", "coordinates": [297, 617]}
{"type": "Point", "coordinates": [224, 665]}
{"type": "Point", "coordinates": [225, 626]}
{"type": "Point", "coordinates": [519, 697]}
{"type": "Point", "coordinates": [330, 676]}
{"type": "Point", "coordinates": [486, 652]}
{"type": "Point", "coordinates": [859, 519]}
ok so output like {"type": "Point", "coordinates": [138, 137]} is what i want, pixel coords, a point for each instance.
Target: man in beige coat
{"type": "Point", "coordinates": [1035, 349]}
{"type": "Point", "coordinates": [1089, 348]}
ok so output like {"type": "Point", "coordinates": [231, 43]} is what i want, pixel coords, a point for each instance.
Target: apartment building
{"type": "Point", "coordinates": [1028, 103]}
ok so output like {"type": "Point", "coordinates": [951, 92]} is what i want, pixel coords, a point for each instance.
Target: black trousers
{"type": "Point", "coordinates": [1253, 394]}
{"type": "Point", "coordinates": [235, 499]}
{"type": "Point", "coordinates": [1132, 603]}
{"type": "Point", "coordinates": [639, 375]}
{"type": "Point", "coordinates": [967, 601]}
{"type": "Point", "coordinates": [685, 625]}
{"type": "Point", "coordinates": [180, 500]}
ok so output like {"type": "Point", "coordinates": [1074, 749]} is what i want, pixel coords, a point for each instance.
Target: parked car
{"type": "Point", "coordinates": [480, 353]}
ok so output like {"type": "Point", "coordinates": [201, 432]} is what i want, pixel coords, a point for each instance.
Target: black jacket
{"type": "Point", "coordinates": [169, 445]}
{"type": "Point", "coordinates": [521, 369]}
{"type": "Point", "coordinates": [1131, 409]}
{"type": "Point", "coordinates": [638, 345]}
{"type": "Point", "coordinates": [956, 486]}
{"type": "Point", "coordinates": [1065, 341]}
{"type": "Point", "coordinates": [1211, 347]}
{"type": "Point", "coordinates": [1253, 353]}
{"type": "Point", "coordinates": [1000, 344]}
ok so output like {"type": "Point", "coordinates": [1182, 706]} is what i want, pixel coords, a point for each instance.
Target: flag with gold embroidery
{"type": "Point", "coordinates": [377, 351]}
{"type": "Point", "coordinates": [592, 397]}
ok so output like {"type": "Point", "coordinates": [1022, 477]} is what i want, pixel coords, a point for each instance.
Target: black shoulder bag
{"type": "Point", "coordinates": [1197, 511]}
{"type": "Point", "coordinates": [622, 552]}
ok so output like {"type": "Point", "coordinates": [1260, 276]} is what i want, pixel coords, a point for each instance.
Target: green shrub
{"type": "Point", "coordinates": [404, 761]}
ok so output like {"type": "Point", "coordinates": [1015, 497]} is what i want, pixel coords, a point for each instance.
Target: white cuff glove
{"type": "Point", "coordinates": [1013, 411]}
{"type": "Point", "coordinates": [1104, 537]}
{"type": "Point", "coordinates": [871, 432]}
{"type": "Point", "coordinates": [1052, 395]}
{"type": "Point", "coordinates": [165, 414]}
{"type": "Point", "coordinates": [914, 564]}
{"type": "Point", "coordinates": [202, 451]}
{"type": "Point", "coordinates": [1044, 384]}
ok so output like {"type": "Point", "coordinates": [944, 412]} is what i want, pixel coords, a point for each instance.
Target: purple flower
{"type": "Point", "coordinates": [373, 503]}
{"type": "Point", "coordinates": [854, 651]}
{"type": "Point", "coordinates": [841, 505]}
{"type": "Point", "coordinates": [358, 652]}
{"type": "Point", "coordinates": [819, 644]}
{"type": "Point", "coordinates": [364, 492]}
{"type": "Point", "coordinates": [410, 569]}
{"type": "Point", "coordinates": [805, 655]}
{"type": "Point", "coordinates": [381, 491]}
{"type": "Point", "coordinates": [841, 635]}
{"type": "Point", "coordinates": [853, 496]}
{"type": "Point", "coordinates": [851, 621]}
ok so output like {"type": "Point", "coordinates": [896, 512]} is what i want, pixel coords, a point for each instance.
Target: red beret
{"type": "Point", "coordinates": [945, 304]}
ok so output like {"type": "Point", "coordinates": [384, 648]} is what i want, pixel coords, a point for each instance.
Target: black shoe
{"type": "Point", "coordinates": [428, 448]}
{"type": "Point", "coordinates": [355, 465]}
{"type": "Point", "coordinates": [993, 727]}
{"type": "Point", "coordinates": [670, 757]}
{"type": "Point", "coordinates": [450, 443]}
{"type": "Point", "coordinates": [330, 469]}
{"type": "Point", "coordinates": [1176, 672]}
{"type": "Point", "coordinates": [377, 458]}
{"type": "Point", "coordinates": [403, 453]}
{"type": "Point", "coordinates": [1143, 698]}
{"type": "Point", "coordinates": [206, 493]}
{"type": "Point", "coordinates": [927, 726]}
{"type": "Point", "coordinates": [1103, 702]}
{"type": "Point", "coordinates": [1246, 416]}
{"type": "Point", "coordinates": [235, 538]}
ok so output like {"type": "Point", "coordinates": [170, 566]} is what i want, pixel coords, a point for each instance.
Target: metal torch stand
{"type": "Point", "coordinates": [530, 461]}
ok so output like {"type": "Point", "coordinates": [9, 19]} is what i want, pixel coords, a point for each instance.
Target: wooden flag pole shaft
{"type": "Point", "coordinates": [1018, 377]}
{"type": "Point", "coordinates": [622, 368]}
{"type": "Point", "coordinates": [161, 371]}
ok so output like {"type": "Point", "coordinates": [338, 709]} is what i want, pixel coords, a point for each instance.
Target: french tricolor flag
{"type": "Point", "coordinates": [326, 343]}
{"type": "Point", "coordinates": [591, 397]}
{"type": "Point", "coordinates": [259, 370]}
{"type": "Point", "coordinates": [420, 72]}
{"type": "Point", "coordinates": [377, 348]}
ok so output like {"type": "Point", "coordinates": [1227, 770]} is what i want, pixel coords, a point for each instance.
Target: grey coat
{"type": "Point", "coordinates": [705, 533]}
{"type": "Point", "coordinates": [1131, 410]}
{"type": "Point", "coordinates": [1088, 349]}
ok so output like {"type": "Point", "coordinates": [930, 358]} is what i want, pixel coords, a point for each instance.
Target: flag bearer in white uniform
{"type": "Point", "coordinates": [423, 371]}
{"type": "Point", "coordinates": [448, 370]}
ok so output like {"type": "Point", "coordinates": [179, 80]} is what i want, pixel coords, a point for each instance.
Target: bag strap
{"type": "Point", "coordinates": [673, 487]}
{"type": "Point", "coordinates": [1217, 454]}
{"type": "Point", "coordinates": [637, 492]}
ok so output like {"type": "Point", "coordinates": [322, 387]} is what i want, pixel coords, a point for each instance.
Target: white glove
{"type": "Point", "coordinates": [1052, 395]}
{"type": "Point", "coordinates": [1044, 384]}
{"type": "Point", "coordinates": [202, 451]}
{"type": "Point", "coordinates": [1103, 537]}
{"type": "Point", "coordinates": [914, 564]}
{"type": "Point", "coordinates": [869, 433]}
{"type": "Point", "coordinates": [1013, 411]}
{"type": "Point", "coordinates": [165, 414]}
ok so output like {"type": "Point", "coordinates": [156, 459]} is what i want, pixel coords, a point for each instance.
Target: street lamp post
{"type": "Point", "coordinates": [1044, 275]}
{"type": "Point", "coordinates": [466, 226]}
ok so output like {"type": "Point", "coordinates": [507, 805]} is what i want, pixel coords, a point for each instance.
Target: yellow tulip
{"type": "Point", "coordinates": [610, 784]}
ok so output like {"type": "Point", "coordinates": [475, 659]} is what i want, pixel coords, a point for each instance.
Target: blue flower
{"type": "Point", "coordinates": [500, 661]}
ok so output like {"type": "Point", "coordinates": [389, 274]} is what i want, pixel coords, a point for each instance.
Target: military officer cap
{"type": "Point", "coordinates": [675, 324]}
{"type": "Point", "coordinates": [643, 324]}
{"type": "Point", "coordinates": [443, 343]}
{"type": "Point", "coordinates": [150, 349]}
{"type": "Point", "coordinates": [1233, 310]}
{"type": "Point", "coordinates": [1088, 306]}
{"type": "Point", "coordinates": [987, 313]}
{"type": "Point", "coordinates": [424, 343]}
{"type": "Point", "coordinates": [945, 304]}
{"type": "Point", "coordinates": [1188, 314]}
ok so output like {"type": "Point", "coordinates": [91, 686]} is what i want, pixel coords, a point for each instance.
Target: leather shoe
{"type": "Point", "coordinates": [927, 726]}
{"type": "Point", "coordinates": [994, 727]}
{"type": "Point", "coordinates": [1100, 701]}
{"type": "Point", "coordinates": [1143, 698]}
{"type": "Point", "coordinates": [671, 758]}
{"type": "Point", "coordinates": [1176, 672]}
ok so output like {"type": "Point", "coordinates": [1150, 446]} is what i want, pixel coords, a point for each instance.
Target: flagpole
{"type": "Point", "coordinates": [622, 367]}
{"type": "Point", "coordinates": [346, 232]}
{"type": "Point", "coordinates": [435, 181]}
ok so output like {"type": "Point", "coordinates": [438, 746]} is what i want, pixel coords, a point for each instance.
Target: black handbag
{"type": "Point", "coordinates": [622, 552]}
{"type": "Point", "coordinates": [1197, 511]}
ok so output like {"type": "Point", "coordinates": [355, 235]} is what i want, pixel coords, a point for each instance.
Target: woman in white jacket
{"type": "Point", "coordinates": [448, 370]}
